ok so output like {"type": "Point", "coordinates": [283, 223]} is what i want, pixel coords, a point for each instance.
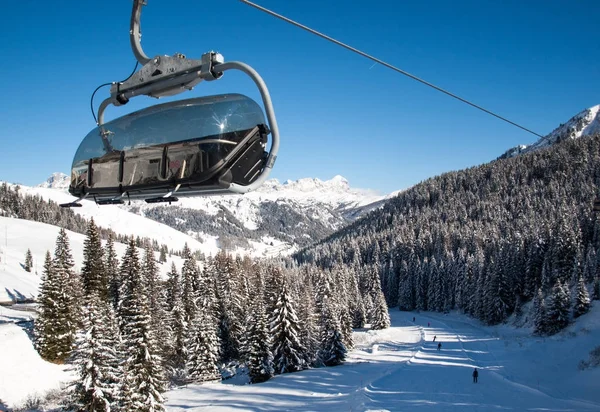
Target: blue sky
{"type": "Point", "coordinates": [535, 62]}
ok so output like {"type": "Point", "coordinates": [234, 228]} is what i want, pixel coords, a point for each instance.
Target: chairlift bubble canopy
{"type": "Point", "coordinates": [194, 146]}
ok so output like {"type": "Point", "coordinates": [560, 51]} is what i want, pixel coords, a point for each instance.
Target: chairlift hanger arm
{"type": "Point", "coordinates": [162, 76]}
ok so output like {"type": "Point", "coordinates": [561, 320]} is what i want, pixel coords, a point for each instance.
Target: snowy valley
{"type": "Point", "coordinates": [276, 219]}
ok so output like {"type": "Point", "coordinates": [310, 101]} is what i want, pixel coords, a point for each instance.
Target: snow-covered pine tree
{"type": "Point", "coordinates": [142, 367]}
{"type": "Point", "coordinates": [539, 314]}
{"type": "Point", "coordinates": [202, 346]}
{"type": "Point", "coordinates": [260, 358]}
{"type": "Point", "coordinates": [189, 278]}
{"type": "Point", "coordinates": [288, 353]}
{"type": "Point", "coordinates": [68, 292]}
{"type": "Point", "coordinates": [174, 342]}
{"type": "Point", "coordinates": [93, 275]}
{"type": "Point", "coordinates": [381, 316]}
{"type": "Point", "coordinates": [332, 350]}
{"type": "Point", "coordinates": [558, 310]}
{"type": "Point", "coordinates": [97, 386]}
{"type": "Point", "coordinates": [596, 288]}
{"type": "Point", "coordinates": [48, 305]}
{"type": "Point", "coordinates": [113, 274]}
{"type": "Point", "coordinates": [581, 298]}
{"type": "Point", "coordinates": [28, 261]}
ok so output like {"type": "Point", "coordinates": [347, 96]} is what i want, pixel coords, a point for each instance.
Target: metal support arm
{"type": "Point", "coordinates": [135, 34]}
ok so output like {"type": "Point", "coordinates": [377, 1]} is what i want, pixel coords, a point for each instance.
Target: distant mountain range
{"type": "Point", "coordinates": [278, 218]}
{"type": "Point", "coordinates": [585, 123]}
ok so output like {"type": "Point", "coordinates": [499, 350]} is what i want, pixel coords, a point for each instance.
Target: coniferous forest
{"type": "Point", "coordinates": [487, 240]}
{"type": "Point", "coordinates": [131, 335]}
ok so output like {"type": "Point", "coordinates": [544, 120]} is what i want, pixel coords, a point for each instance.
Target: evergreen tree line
{"type": "Point", "coordinates": [487, 239]}
{"type": "Point", "coordinates": [130, 334]}
{"type": "Point", "coordinates": [15, 204]}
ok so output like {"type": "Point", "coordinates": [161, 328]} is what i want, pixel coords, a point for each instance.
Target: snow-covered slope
{"type": "Point", "coordinates": [18, 235]}
{"type": "Point", "coordinates": [124, 222]}
{"type": "Point", "coordinates": [400, 369]}
{"type": "Point", "coordinates": [585, 123]}
{"type": "Point", "coordinates": [396, 369]}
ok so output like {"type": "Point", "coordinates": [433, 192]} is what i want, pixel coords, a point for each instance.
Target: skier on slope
{"type": "Point", "coordinates": [475, 375]}
{"type": "Point", "coordinates": [439, 345]}
{"type": "Point", "coordinates": [434, 337]}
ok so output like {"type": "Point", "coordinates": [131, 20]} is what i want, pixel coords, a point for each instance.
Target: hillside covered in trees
{"type": "Point", "coordinates": [487, 239]}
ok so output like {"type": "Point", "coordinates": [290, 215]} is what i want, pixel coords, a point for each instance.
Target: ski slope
{"type": "Point", "coordinates": [18, 235]}
{"type": "Point", "coordinates": [400, 369]}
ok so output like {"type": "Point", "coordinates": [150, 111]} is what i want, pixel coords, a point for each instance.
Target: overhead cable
{"type": "Point", "coordinates": [368, 56]}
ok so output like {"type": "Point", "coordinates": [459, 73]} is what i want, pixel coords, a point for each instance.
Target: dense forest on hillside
{"type": "Point", "coordinates": [486, 239]}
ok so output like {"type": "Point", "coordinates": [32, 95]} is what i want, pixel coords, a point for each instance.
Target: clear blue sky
{"type": "Point", "coordinates": [536, 62]}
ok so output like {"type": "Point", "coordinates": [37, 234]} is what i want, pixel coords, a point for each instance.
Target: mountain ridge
{"type": "Point", "coordinates": [584, 123]}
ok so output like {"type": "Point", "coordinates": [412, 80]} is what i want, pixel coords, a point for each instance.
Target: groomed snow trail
{"type": "Point", "coordinates": [398, 369]}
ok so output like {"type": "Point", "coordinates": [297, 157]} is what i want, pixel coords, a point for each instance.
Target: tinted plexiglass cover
{"type": "Point", "coordinates": [174, 140]}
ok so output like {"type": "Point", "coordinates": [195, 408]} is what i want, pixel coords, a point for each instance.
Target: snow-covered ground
{"type": "Point", "coordinates": [397, 369]}
{"type": "Point", "coordinates": [126, 223]}
{"type": "Point", "coordinates": [17, 235]}
{"type": "Point", "coordinates": [400, 369]}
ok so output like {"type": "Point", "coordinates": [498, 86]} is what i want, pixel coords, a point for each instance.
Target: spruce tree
{"type": "Point", "coordinates": [93, 274]}
{"type": "Point", "coordinates": [380, 317]}
{"type": "Point", "coordinates": [67, 298]}
{"type": "Point", "coordinates": [48, 310]}
{"type": "Point", "coordinates": [260, 358]}
{"type": "Point", "coordinates": [96, 359]}
{"type": "Point", "coordinates": [332, 350]}
{"type": "Point", "coordinates": [559, 308]}
{"type": "Point", "coordinates": [202, 349]}
{"type": "Point", "coordinates": [28, 261]}
{"type": "Point", "coordinates": [596, 288]}
{"type": "Point", "coordinates": [539, 314]}
{"type": "Point", "coordinates": [288, 353]}
{"type": "Point", "coordinates": [113, 275]}
{"type": "Point", "coordinates": [142, 368]}
{"type": "Point", "coordinates": [581, 298]}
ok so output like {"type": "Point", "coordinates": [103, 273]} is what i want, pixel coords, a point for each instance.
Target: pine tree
{"type": "Point", "coordinates": [113, 275]}
{"type": "Point", "coordinates": [596, 289]}
{"type": "Point", "coordinates": [48, 310]}
{"type": "Point", "coordinates": [96, 387]}
{"type": "Point", "coordinates": [28, 261]}
{"type": "Point", "coordinates": [288, 353]}
{"type": "Point", "coordinates": [332, 350]}
{"type": "Point", "coordinates": [93, 275]}
{"type": "Point", "coordinates": [67, 298]}
{"type": "Point", "coordinates": [381, 316]}
{"type": "Point", "coordinates": [581, 298]}
{"type": "Point", "coordinates": [558, 309]}
{"type": "Point", "coordinates": [260, 358]}
{"type": "Point", "coordinates": [202, 349]}
{"type": "Point", "coordinates": [539, 313]}
{"type": "Point", "coordinates": [174, 341]}
{"type": "Point", "coordinates": [142, 368]}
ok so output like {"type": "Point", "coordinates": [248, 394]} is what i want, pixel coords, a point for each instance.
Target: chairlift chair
{"type": "Point", "coordinates": [193, 147]}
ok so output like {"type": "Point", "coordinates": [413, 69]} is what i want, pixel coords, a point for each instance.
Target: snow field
{"type": "Point", "coordinates": [18, 235]}
{"type": "Point", "coordinates": [22, 371]}
{"type": "Point", "coordinates": [400, 369]}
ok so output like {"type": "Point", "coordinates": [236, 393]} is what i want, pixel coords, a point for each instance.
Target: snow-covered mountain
{"type": "Point", "coordinates": [58, 180]}
{"type": "Point", "coordinates": [585, 123]}
{"type": "Point", "coordinates": [276, 219]}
